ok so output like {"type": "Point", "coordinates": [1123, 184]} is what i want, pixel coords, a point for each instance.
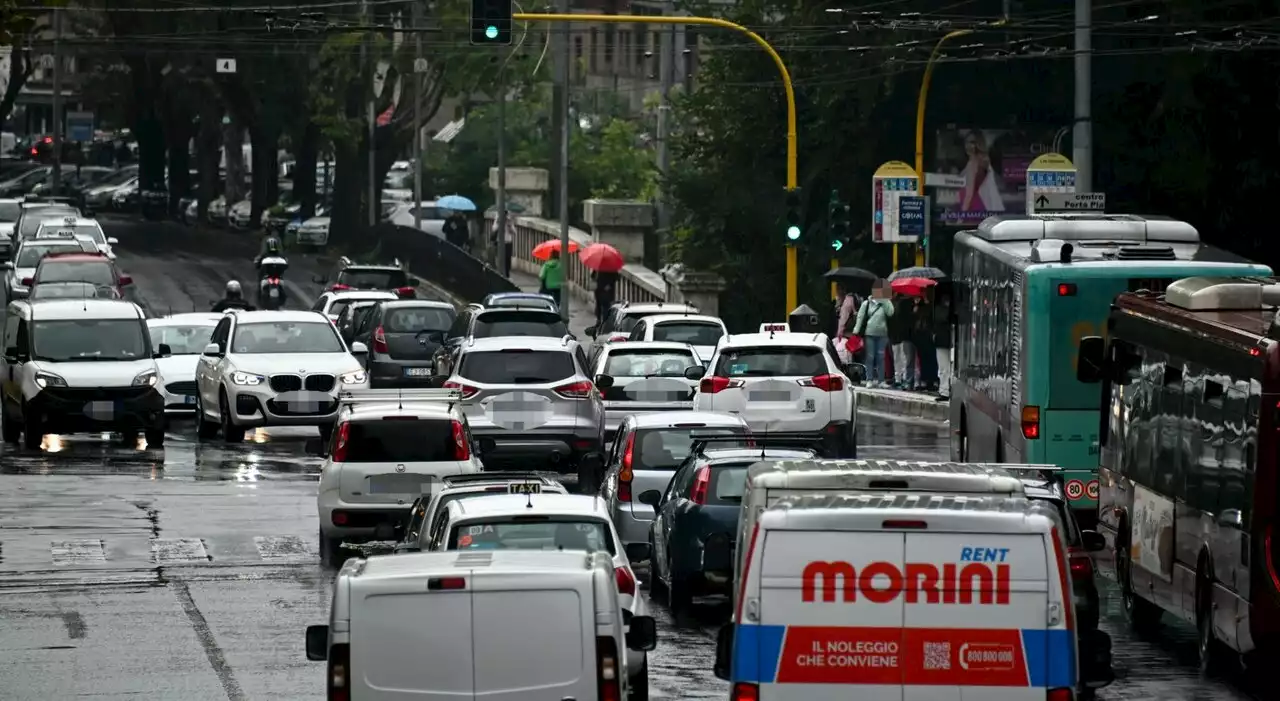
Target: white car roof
{"type": "Point", "coordinates": [57, 309]}
{"type": "Point", "coordinates": [661, 318]}
{"type": "Point", "coordinates": [364, 295]}
{"type": "Point", "coordinates": [670, 419]}
{"type": "Point", "coordinates": [426, 564]}
{"type": "Point", "coordinates": [646, 345]}
{"type": "Point", "coordinates": [494, 343]}
{"type": "Point", "coordinates": [422, 410]}
{"type": "Point", "coordinates": [751, 340]}
{"type": "Point", "coordinates": [286, 316]}
{"type": "Point", "coordinates": [187, 319]}
{"type": "Point", "coordinates": [841, 511]}
{"type": "Point", "coordinates": [518, 505]}
{"type": "Point", "coordinates": [659, 308]}
{"type": "Point", "coordinates": [75, 221]}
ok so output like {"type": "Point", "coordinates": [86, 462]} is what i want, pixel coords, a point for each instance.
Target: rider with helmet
{"type": "Point", "coordinates": [270, 248]}
{"type": "Point", "coordinates": [234, 299]}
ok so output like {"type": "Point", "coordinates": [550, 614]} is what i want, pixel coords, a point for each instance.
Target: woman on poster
{"type": "Point", "coordinates": [981, 184]}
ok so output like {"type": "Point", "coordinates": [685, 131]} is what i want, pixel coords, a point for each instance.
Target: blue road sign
{"type": "Point", "coordinates": [911, 216]}
{"type": "Point", "coordinates": [80, 126]}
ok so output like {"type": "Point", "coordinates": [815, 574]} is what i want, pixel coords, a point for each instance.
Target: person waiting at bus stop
{"type": "Point", "coordinates": [873, 326]}
{"type": "Point", "coordinates": [904, 356]}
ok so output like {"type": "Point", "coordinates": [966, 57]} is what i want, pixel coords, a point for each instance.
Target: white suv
{"type": "Point", "coordinates": [783, 382]}
{"type": "Point", "coordinates": [390, 448]}
{"type": "Point", "coordinates": [80, 366]}
{"type": "Point", "coordinates": [276, 368]}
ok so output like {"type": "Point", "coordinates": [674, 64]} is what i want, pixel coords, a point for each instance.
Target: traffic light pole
{"type": "Point", "coordinates": [792, 177]}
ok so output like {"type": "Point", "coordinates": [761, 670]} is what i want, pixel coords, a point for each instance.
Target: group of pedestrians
{"type": "Point", "coordinates": [903, 340]}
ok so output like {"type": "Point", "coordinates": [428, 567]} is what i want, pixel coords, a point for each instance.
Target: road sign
{"type": "Point", "coordinates": [1092, 489]}
{"type": "Point", "coordinates": [1049, 173]}
{"type": "Point", "coordinates": [1059, 202]}
{"type": "Point", "coordinates": [911, 216]}
{"type": "Point", "coordinates": [891, 182]}
{"type": "Point", "coordinates": [80, 126]}
{"type": "Point", "coordinates": [420, 65]}
{"type": "Point", "coordinates": [945, 181]}
{"type": "Point", "coordinates": [225, 65]}
{"type": "Point", "coordinates": [1075, 489]}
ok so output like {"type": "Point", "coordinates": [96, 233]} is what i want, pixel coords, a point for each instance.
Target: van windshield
{"type": "Point", "coordinates": [533, 533]}
{"type": "Point", "coordinates": [89, 339]}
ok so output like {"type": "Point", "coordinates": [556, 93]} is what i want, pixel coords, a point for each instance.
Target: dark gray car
{"type": "Point", "coordinates": [403, 338]}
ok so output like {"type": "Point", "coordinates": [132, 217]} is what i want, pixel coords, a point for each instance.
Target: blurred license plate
{"type": "Point", "coordinates": [417, 372]}
{"type": "Point", "coordinates": [400, 484]}
{"type": "Point", "coordinates": [189, 399]}
{"type": "Point", "coordinates": [524, 488]}
{"type": "Point", "coordinates": [779, 396]}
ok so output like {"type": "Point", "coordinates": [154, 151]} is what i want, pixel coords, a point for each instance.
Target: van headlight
{"type": "Point", "coordinates": [247, 378]}
{"type": "Point", "coordinates": [145, 379]}
{"type": "Point", "coordinates": [47, 379]}
{"type": "Point", "coordinates": [355, 377]}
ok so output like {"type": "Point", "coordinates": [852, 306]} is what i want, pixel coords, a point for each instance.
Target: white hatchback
{"type": "Point", "coordinates": [186, 335]}
{"type": "Point", "coordinates": [698, 330]}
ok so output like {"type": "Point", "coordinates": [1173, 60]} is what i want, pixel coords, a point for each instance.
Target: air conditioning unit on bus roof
{"type": "Point", "coordinates": [1127, 228]}
{"type": "Point", "coordinates": [1218, 293]}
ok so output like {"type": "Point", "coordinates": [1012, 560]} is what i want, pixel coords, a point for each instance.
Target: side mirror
{"type": "Point", "coordinates": [11, 355]}
{"type": "Point", "coordinates": [1091, 359]}
{"type": "Point", "coordinates": [604, 381]}
{"type": "Point", "coordinates": [26, 281]}
{"type": "Point", "coordinates": [212, 350]}
{"type": "Point", "coordinates": [435, 336]}
{"type": "Point", "coordinates": [112, 241]}
{"type": "Point", "coordinates": [591, 331]}
{"type": "Point", "coordinates": [125, 280]}
{"type": "Point", "coordinates": [359, 348]}
{"type": "Point", "coordinates": [643, 634]}
{"type": "Point", "coordinates": [1093, 541]}
{"type": "Point", "coordinates": [638, 552]}
{"type": "Point", "coordinates": [317, 643]}
{"type": "Point", "coordinates": [723, 665]}
{"type": "Point", "coordinates": [652, 497]}
{"type": "Point", "coordinates": [163, 350]}
{"type": "Point", "coordinates": [695, 372]}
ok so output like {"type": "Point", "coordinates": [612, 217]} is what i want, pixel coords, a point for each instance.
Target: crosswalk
{"type": "Point", "coordinates": [127, 551]}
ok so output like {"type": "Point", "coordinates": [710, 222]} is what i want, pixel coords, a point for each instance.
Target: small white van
{"type": "Point", "coordinates": [902, 597]}
{"type": "Point", "coordinates": [498, 626]}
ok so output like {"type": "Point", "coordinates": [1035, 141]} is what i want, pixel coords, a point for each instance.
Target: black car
{"type": "Point", "coordinates": [479, 322]}
{"type": "Point", "coordinates": [403, 337]}
{"type": "Point", "coordinates": [349, 275]}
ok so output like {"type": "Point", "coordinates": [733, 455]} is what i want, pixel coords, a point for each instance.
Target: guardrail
{"type": "Point", "coordinates": [436, 260]}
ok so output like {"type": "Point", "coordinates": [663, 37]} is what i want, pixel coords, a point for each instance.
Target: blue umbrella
{"type": "Point", "coordinates": [457, 203]}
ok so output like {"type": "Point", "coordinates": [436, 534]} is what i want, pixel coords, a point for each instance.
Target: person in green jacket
{"type": "Point", "coordinates": [552, 277]}
{"type": "Point", "coordinates": [873, 326]}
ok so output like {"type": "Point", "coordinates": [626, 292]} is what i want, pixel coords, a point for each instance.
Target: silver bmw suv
{"type": "Point", "coordinates": [530, 402]}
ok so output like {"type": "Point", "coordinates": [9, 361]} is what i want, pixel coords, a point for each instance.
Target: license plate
{"type": "Point", "coordinates": [189, 399]}
{"type": "Point", "coordinates": [417, 372]}
{"type": "Point", "coordinates": [809, 406]}
{"type": "Point", "coordinates": [524, 488]}
{"type": "Point", "coordinates": [400, 484]}
{"type": "Point", "coordinates": [779, 396]}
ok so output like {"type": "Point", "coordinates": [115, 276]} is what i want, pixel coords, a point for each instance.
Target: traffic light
{"type": "Point", "coordinates": [793, 215]}
{"type": "Point", "coordinates": [491, 22]}
{"type": "Point", "coordinates": [838, 215]}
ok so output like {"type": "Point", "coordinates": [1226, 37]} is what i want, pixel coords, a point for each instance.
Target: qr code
{"type": "Point", "coordinates": [937, 655]}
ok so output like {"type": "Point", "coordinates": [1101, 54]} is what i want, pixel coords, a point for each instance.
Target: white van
{"type": "Point", "coordinates": [901, 596]}
{"type": "Point", "coordinates": [501, 626]}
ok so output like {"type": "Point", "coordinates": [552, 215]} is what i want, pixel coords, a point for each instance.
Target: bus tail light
{"type": "Point", "coordinates": [1031, 422]}
{"type": "Point", "coordinates": [1066, 289]}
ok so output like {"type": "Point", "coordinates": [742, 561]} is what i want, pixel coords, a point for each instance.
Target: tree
{"type": "Point", "coordinates": [18, 29]}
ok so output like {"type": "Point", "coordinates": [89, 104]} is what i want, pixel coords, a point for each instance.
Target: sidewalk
{"type": "Point", "coordinates": [581, 314]}
{"type": "Point", "coordinates": [897, 403]}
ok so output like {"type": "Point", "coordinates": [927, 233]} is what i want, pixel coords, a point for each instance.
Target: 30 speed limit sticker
{"type": "Point", "coordinates": [1092, 489]}
{"type": "Point", "coordinates": [1075, 489]}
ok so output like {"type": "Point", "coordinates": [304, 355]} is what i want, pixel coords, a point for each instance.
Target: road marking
{"type": "Point", "coordinates": [170, 550]}
{"type": "Point", "coordinates": [72, 552]}
{"type": "Point", "coordinates": [281, 547]}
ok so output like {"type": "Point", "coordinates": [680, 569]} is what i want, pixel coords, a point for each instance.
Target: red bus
{"type": "Point", "coordinates": [1188, 476]}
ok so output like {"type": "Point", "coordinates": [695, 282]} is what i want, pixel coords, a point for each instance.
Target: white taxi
{"type": "Point", "coordinates": [782, 382]}
{"type": "Point", "coordinates": [332, 303]}
{"type": "Point", "coordinates": [78, 227]}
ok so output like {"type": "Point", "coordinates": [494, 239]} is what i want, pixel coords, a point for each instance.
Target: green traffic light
{"type": "Point", "coordinates": [491, 32]}
{"type": "Point", "coordinates": [793, 232]}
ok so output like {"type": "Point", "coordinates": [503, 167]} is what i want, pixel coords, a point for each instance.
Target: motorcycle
{"type": "Point", "coordinates": [271, 284]}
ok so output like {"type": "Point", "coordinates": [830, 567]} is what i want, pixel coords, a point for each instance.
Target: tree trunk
{"type": "Point", "coordinates": [233, 152]}
{"type": "Point", "coordinates": [179, 168]}
{"type": "Point", "coordinates": [266, 169]}
{"type": "Point", "coordinates": [304, 171]}
{"type": "Point", "coordinates": [207, 144]}
{"type": "Point", "coordinates": [346, 218]}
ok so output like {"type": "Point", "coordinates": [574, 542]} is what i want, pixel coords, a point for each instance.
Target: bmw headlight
{"type": "Point", "coordinates": [46, 379]}
{"type": "Point", "coordinates": [355, 377]}
{"type": "Point", "coordinates": [246, 378]}
{"type": "Point", "coordinates": [145, 379]}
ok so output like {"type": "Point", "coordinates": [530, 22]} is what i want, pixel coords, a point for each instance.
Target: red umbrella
{"type": "Point", "coordinates": [912, 285]}
{"type": "Point", "coordinates": [602, 258]}
{"type": "Point", "coordinates": [543, 250]}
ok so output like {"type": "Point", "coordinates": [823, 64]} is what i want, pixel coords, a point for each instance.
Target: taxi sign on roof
{"type": "Point", "coordinates": [781, 327]}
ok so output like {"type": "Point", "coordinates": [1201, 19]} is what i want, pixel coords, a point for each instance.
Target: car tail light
{"type": "Point", "coordinates": [379, 341]}
{"type": "Point", "coordinates": [1031, 422]}
{"type": "Point", "coordinates": [743, 691]}
{"type": "Point", "coordinates": [625, 475]}
{"type": "Point", "coordinates": [618, 337]}
{"type": "Point", "coordinates": [716, 383]}
{"type": "Point", "coordinates": [826, 383]}
{"type": "Point", "coordinates": [461, 448]}
{"type": "Point", "coordinates": [26, 281]}
{"type": "Point", "coordinates": [340, 442]}
{"type": "Point", "coordinates": [1081, 564]}
{"type": "Point", "coordinates": [701, 481]}
{"type": "Point", "coordinates": [576, 390]}
{"type": "Point", "coordinates": [466, 390]}
{"type": "Point", "coordinates": [1060, 695]}
{"type": "Point", "coordinates": [405, 292]}
{"type": "Point", "coordinates": [446, 583]}
{"type": "Point", "coordinates": [339, 672]}
{"type": "Point", "coordinates": [338, 287]}
{"type": "Point", "coordinates": [608, 671]}
{"type": "Point", "coordinates": [626, 581]}
{"type": "Point", "coordinates": [339, 518]}
{"type": "Point", "coordinates": [905, 524]}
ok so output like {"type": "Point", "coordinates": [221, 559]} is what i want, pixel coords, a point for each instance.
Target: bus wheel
{"type": "Point", "coordinates": [1214, 655]}
{"type": "Point", "coordinates": [1141, 614]}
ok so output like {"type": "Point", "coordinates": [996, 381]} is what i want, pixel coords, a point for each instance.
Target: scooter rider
{"type": "Point", "coordinates": [270, 247]}
{"type": "Point", "coordinates": [234, 299]}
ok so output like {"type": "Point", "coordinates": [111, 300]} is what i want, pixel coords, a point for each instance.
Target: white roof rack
{"type": "Point", "coordinates": [348, 398]}
{"type": "Point", "coordinates": [1216, 293]}
{"type": "Point", "coordinates": [1110, 227]}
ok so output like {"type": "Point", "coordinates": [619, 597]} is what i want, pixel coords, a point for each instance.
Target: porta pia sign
{"type": "Point", "coordinates": [891, 182]}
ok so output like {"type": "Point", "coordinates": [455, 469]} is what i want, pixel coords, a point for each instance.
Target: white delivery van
{"type": "Point", "coordinates": [498, 626]}
{"type": "Point", "coordinates": [903, 597]}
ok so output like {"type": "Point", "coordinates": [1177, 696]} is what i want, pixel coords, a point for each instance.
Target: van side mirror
{"type": "Point", "coordinates": [1093, 541]}
{"type": "Point", "coordinates": [643, 634]}
{"type": "Point", "coordinates": [317, 643]}
{"type": "Point", "coordinates": [651, 497]}
{"type": "Point", "coordinates": [694, 372]}
{"type": "Point", "coordinates": [724, 652]}
{"type": "Point", "coordinates": [1091, 359]}
{"type": "Point", "coordinates": [604, 381]}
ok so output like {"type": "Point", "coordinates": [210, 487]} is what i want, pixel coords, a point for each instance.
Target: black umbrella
{"type": "Point", "coordinates": [924, 271]}
{"type": "Point", "coordinates": [850, 274]}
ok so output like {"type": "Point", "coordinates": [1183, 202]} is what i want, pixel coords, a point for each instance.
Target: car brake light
{"type": "Point", "coordinates": [1031, 422]}
{"type": "Point", "coordinates": [339, 518]}
{"type": "Point", "coordinates": [626, 581]}
{"type": "Point", "coordinates": [466, 390]}
{"type": "Point", "coordinates": [716, 383]}
{"type": "Point", "coordinates": [1081, 564]}
{"type": "Point", "coordinates": [446, 583]}
{"type": "Point", "coordinates": [701, 481]}
{"type": "Point", "coordinates": [338, 287]}
{"type": "Point", "coordinates": [743, 691]}
{"type": "Point", "coordinates": [625, 474]}
{"type": "Point", "coordinates": [900, 523]}
{"type": "Point", "coordinates": [405, 292]}
{"type": "Point", "coordinates": [826, 383]}
{"type": "Point", "coordinates": [618, 337]}
{"type": "Point", "coordinates": [576, 390]}
{"type": "Point", "coordinates": [379, 341]}
{"type": "Point", "coordinates": [339, 664]}
{"type": "Point", "coordinates": [461, 448]}
{"type": "Point", "coordinates": [1059, 695]}
{"type": "Point", "coordinates": [608, 680]}
{"type": "Point", "coordinates": [340, 443]}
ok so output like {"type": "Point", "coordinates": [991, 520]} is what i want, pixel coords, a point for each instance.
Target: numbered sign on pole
{"type": "Point", "coordinates": [892, 182]}
{"type": "Point", "coordinates": [1050, 173]}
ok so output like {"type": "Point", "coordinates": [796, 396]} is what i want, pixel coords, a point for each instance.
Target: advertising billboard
{"type": "Point", "coordinates": [993, 166]}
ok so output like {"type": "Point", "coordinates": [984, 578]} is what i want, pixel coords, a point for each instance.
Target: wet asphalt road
{"type": "Point", "coordinates": [190, 573]}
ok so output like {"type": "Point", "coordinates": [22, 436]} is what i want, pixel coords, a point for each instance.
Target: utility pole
{"type": "Point", "coordinates": [417, 117]}
{"type": "Point", "coordinates": [563, 185]}
{"type": "Point", "coordinates": [57, 100]}
{"type": "Point", "coordinates": [1082, 140]}
{"type": "Point", "coordinates": [501, 220]}
{"type": "Point", "coordinates": [559, 94]}
{"type": "Point", "coordinates": [666, 73]}
{"type": "Point", "coordinates": [370, 117]}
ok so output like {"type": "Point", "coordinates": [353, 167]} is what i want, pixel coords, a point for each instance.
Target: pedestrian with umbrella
{"type": "Point", "coordinates": [551, 277]}
{"type": "Point", "coordinates": [873, 326]}
{"type": "Point", "coordinates": [607, 263]}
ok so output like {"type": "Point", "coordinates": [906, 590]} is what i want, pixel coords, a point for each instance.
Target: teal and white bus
{"type": "Point", "coordinates": [1025, 291]}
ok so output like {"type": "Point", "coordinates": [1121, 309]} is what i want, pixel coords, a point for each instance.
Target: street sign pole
{"type": "Point", "coordinates": [1049, 173]}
